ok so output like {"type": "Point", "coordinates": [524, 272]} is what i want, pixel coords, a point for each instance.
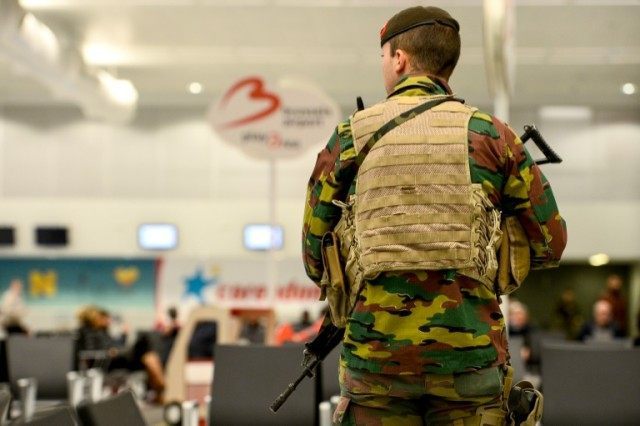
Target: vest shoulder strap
{"type": "Point", "coordinates": [368, 127]}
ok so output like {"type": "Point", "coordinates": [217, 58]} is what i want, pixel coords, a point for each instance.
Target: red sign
{"type": "Point", "coordinates": [267, 120]}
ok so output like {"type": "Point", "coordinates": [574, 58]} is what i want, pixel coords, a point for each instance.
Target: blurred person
{"type": "Point", "coordinates": [305, 321]}
{"type": "Point", "coordinates": [427, 312]}
{"type": "Point", "coordinates": [287, 333]}
{"type": "Point", "coordinates": [602, 328]}
{"type": "Point", "coordinates": [519, 325]}
{"type": "Point", "coordinates": [12, 304]}
{"type": "Point", "coordinates": [93, 335]}
{"type": "Point", "coordinates": [284, 333]}
{"type": "Point", "coordinates": [173, 327]}
{"type": "Point", "coordinates": [14, 325]}
{"type": "Point", "coordinates": [567, 314]}
{"type": "Point", "coordinates": [253, 332]}
{"type": "Point", "coordinates": [613, 294]}
{"type": "Point", "coordinates": [170, 332]}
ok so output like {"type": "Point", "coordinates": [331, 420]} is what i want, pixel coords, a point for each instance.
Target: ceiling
{"type": "Point", "coordinates": [569, 52]}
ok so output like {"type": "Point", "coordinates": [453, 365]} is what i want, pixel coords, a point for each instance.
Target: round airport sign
{"type": "Point", "coordinates": [270, 120]}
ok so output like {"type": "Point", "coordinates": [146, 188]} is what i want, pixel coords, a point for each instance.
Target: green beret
{"type": "Point", "coordinates": [414, 17]}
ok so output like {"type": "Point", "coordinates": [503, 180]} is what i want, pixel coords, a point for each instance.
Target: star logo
{"type": "Point", "coordinates": [196, 284]}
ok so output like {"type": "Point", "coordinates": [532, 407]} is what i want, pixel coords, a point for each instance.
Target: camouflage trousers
{"type": "Point", "coordinates": [432, 399]}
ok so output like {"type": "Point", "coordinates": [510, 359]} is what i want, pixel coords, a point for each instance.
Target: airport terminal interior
{"type": "Point", "coordinates": [154, 162]}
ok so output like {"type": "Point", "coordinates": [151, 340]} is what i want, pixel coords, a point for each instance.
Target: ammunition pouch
{"type": "Point", "coordinates": [333, 283]}
{"type": "Point", "coordinates": [514, 256]}
{"type": "Point", "coordinates": [342, 280]}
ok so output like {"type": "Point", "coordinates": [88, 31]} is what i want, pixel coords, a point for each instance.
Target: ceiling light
{"type": "Point", "coordinates": [102, 54]}
{"type": "Point", "coordinates": [121, 91]}
{"type": "Point", "coordinates": [628, 88]}
{"type": "Point", "coordinates": [195, 88]}
{"type": "Point", "coordinates": [598, 259]}
{"type": "Point", "coordinates": [40, 38]}
{"type": "Point", "coordinates": [565, 112]}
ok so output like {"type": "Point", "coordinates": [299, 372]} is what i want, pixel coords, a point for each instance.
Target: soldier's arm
{"type": "Point", "coordinates": [331, 180]}
{"type": "Point", "coordinates": [527, 194]}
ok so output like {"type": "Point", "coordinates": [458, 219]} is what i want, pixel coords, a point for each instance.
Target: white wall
{"type": "Point", "coordinates": [103, 181]}
{"type": "Point", "coordinates": [108, 227]}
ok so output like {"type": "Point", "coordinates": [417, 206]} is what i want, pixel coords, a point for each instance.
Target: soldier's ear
{"type": "Point", "coordinates": [400, 62]}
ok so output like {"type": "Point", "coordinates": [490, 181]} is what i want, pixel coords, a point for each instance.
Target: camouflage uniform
{"type": "Point", "coordinates": [432, 341]}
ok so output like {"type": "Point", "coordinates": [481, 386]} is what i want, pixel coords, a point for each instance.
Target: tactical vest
{"type": "Point", "coordinates": [415, 207]}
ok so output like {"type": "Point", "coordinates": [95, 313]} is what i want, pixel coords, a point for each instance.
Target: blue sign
{"type": "Point", "coordinates": [112, 283]}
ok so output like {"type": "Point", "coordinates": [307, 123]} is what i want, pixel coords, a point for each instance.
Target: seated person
{"type": "Point", "coordinates": [602, 328]}
{"type": "Point", "coordinates": [519, 325]}
{"type": "Point", "coordinates": [93, 335]}
{"type": "Point", "coordinates": [13, 325]}
{"type": "Point", "coordinates": [253, 332]}
{"type": "Point", "coordinates": [169, 334]}
{"type": "Point", "coordinates": [305, 321]}
{"type": "Point", "coordinates": [289, 333]}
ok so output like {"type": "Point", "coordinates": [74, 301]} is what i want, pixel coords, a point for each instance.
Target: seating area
{"type": "Point", "coordinates": [585, 384]}
{"type": "Point", "coordinates": [582, 384]}
{"type": "Point", "coordinates": [246, 380]}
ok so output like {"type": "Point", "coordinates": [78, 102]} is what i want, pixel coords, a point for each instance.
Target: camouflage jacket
{"type": "Point", "coordinates": [436, 322]}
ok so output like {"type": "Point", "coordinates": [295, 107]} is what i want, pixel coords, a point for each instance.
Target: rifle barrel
{"type": "Point", "coordinates": [292, 386]}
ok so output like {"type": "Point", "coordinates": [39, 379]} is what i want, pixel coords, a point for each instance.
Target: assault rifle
{"type": "Point", "coordinates": [315, 351]}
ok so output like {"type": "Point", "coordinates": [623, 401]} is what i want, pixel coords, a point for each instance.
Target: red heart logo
{"type": "Point", "coordinates": [257, 93]}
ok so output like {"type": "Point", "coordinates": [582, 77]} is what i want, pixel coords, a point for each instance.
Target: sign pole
{"type": "Point", "coordinates": [272, 270]}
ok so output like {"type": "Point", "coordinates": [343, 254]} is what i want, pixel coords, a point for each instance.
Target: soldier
{"type": "Point", "coordinates": [424, 178]}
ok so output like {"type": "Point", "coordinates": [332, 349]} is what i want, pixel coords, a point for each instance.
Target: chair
{"type": "Point", "coordinates": [539, 338]}
{"type": "Point", "coordinates": [47, 359]}
{"type": "Point", "coordinates": [515, 352]}
{"type": "Point", "coordinates": [120, 410]}
{"type": "Point", "coordinates": [247, 379]}
{"type": "Point", "coordinates": [4, 376]}
{"type": "Point", "coordinates": [590, 385]}
{"type": "Point", "coordinates": [5, 403]}
{"type": "Point", "coordinates": [610, 344]}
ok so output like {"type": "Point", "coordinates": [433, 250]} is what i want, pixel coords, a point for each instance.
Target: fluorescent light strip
{"type": "Point", "coordinates": [599, 259]}
{"type": "Point", "coordinates": [568, 113]}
